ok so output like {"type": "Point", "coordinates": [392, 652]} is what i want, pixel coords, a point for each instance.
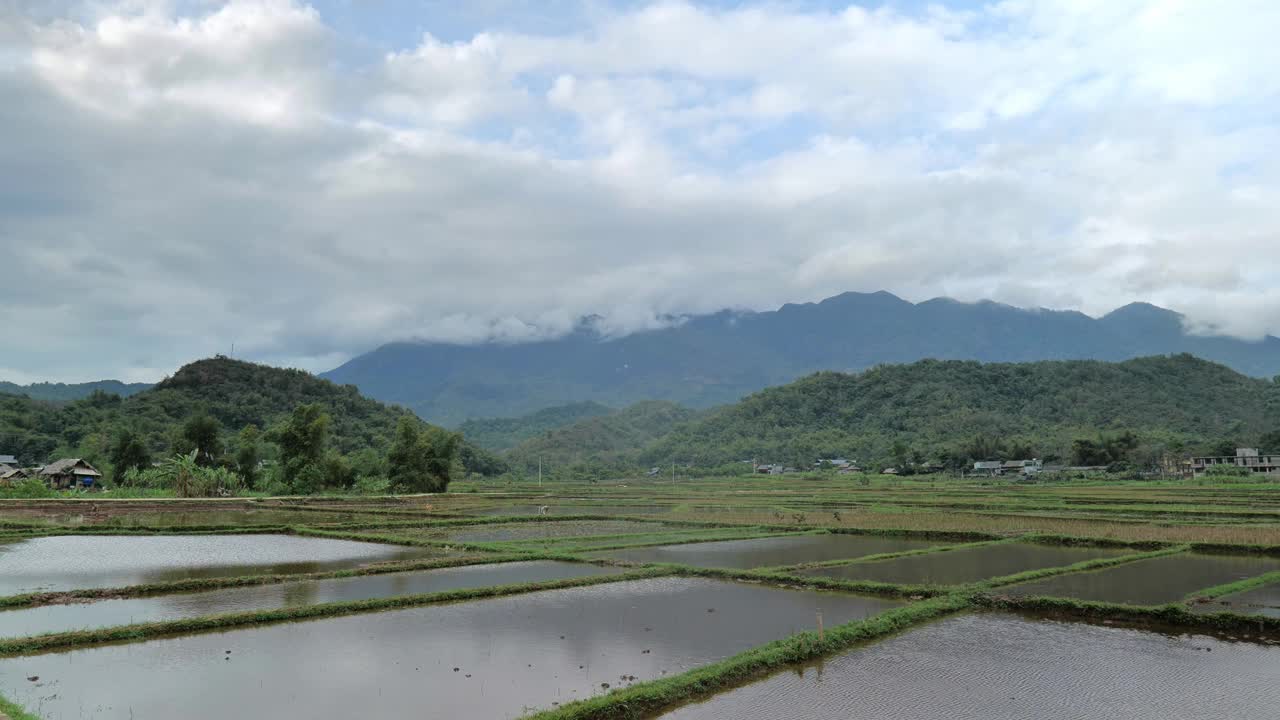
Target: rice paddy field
{"type": "Point", "coordinates": [768, 597]}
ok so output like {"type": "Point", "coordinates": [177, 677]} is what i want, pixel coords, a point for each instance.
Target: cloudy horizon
{"type": "Point", "coordinates": [308, 181]}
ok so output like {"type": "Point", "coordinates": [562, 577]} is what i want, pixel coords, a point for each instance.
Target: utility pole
{"type": "Point", "coordinates": [673, 472]}
{"type": "Point", "coordinates": [539, 471]}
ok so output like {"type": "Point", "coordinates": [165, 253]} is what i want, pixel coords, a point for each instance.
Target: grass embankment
{"type": "Point", "coordinates": [14, 711]}
{"type": "Point", "coordinates": [1238, 586]}
{"type": "Point", "coordinates": [648, 698]}
{"type": "Point", "coordinates": [1083, 566]}
{"type": "Point", "coordinates": [146, 631]}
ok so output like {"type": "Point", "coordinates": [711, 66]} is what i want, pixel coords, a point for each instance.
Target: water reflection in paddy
{"type": "Point", "coordinates": [1264, 601]}
{"type": "Point", "coordinates": [1152, 582]}
{"type": "Point", "coordinates": [968, 564]}
{"type": "Point", "coordinates": [1003, 667]}
{"type": "Point", "coordinates": [59, 618]}
{"type": "Point", "coordinates": [764, 552]}
{"type": "Point", "coordinates": [85, 561]}
{"type": "Point", "coordinates": [510, 654]}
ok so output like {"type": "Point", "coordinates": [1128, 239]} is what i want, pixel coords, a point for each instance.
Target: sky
{"type": "Point", "coordinates": [298, 183]}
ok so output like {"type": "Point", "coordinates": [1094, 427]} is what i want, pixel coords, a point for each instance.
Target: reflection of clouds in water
{"type": "Point", "coordinates": [56, 618]}
{"type": "Point", "coordinates": [400, 663]}
{"type": "Point", "coordinates": [66, 562]}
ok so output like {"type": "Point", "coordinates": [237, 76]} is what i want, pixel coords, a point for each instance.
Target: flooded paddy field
{"type": "Point", "coordinates": [967, 564]}
{"type": "Point", "coordinates": [1151, 582]}
{"type": "Point", "coordinates": [766, 552]}
{"type": "Point", "coordinates": [535, 648]}
{"type": "Point", "coordinates": [492, 658]}
{"type": "Point", "coordinates": [66, 562]}
{"type": "Point", "coordinates": [1263, 601]}
{"type": "Point", "coordinates": [1005, 667]}
{"type": "Point", "coordinates": [103, 613]}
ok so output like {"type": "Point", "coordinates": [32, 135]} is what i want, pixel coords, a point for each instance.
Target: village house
{"type": "Point", "coordinates": [1249, 458]}
{"type": "Point", "coordinates": [1006, 467]}
{"type": "Point", "coordinates": [10, 475]}
{"type": "Point", "coordinates": [70, 473]}
{"type": "Point", "coordinates": [8, 461]}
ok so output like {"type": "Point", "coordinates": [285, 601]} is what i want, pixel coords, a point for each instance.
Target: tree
{"type": "Point", "coordinates": [302, 440]}
{"type": "Point", "coordinates": [248, 454]}
{"type": "Point", "coordinates": [129, 451]}
{"type": "Point", "coordinates": [421, 461]}
{"type": "Point", "coordinates": [900, 452]}
{"type": "Point", "coordinates": [1270, 442]}
{"type": "Point", "coordinates": [201, 435]}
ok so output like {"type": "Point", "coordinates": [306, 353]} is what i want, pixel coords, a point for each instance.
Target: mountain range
{"type": "Point", "coordinates": [709, 360]}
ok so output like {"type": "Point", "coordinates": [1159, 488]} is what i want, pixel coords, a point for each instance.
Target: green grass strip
{"type": "Point", "coordinates": [169, 587]}
{"type": "Point", "coordinates": [14, 711]}
{"type": "Point", "coordinates": [648, 698]}
{"type": "Point", "coordinates": [146, 631]}
{"type": "Point", "coordinates": [1232, 588]}
{"type": "Point", "coordinates": [1083, 566]}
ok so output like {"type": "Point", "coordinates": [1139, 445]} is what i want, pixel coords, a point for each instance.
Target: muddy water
{"type": "Point", "coordinates": [1002, 667]}
{"type": "Point", "coordinates": [59, 618]}
{"type": "Point", "coordinates": [510, 654]}
{"type": "Point", "coordinates": [962, 566]}
{"type": "Point", "coordinates": [69, 562]}
{"type": "Point", "coordinates": [1263, 601]}
{"type": "Point", "coordinates": [763, 552]}
{"type": "Point", "coordinates": [1151, 582]}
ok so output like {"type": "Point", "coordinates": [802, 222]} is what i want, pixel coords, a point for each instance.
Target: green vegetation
{"type": "Point", "coordinates": [500, 434]}
{"type": "Point", "coordinates": [599, 447]}
{"type": "Point", "coordinates": [280, 430]}
{"type": "Point", "coordinates": [67, 392]}
{"type": "Point", "coordinates": [15, 711]}
{"type": "Point", "coordinates": [955, 412]}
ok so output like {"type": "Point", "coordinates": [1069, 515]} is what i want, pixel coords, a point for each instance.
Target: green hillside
{"type": "Point", "coordinates": [233, 393]}
{"type": "Point", "coordinates": [957, 411]}
{"type": "Point", "coordinates": [66, 392]}
{"type": "Point", "coordinates": [505, 433]}
{"type": "Point", "coordinates": [607, 441]}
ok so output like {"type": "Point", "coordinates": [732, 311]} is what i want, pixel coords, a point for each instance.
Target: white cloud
{"type": "Point", "coordinates": [240, 172]}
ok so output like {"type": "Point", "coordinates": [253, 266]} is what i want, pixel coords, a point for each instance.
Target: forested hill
{"type": "Point", "coordinates": [505, 433]}
{"type": "Point", "coordinates": [233, 393]}
{"type": "Point", "coordinates": [66, 392]}
{"type": "Point", "coordinates": [715, 359]}
{"type": "Point", "coordinates": [955, 411]}
{"type": "Point", "coordinates": [607, 440]}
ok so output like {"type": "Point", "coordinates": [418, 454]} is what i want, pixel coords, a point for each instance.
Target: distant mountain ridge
{"type": "Point", "coordinates": [66, 392]}
{"type": "Point", "coordinates": [715, 359]}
